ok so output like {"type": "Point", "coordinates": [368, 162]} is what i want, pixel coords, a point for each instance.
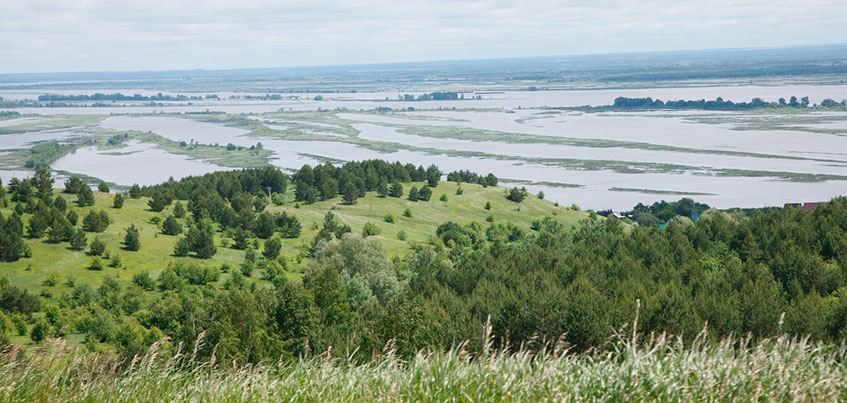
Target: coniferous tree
{"type": "Point", "coordinates": [350, 193]}
{"type": "Point", "coordinates": [119, 201]}
{"type": "Point", "coordinates": [78, 240]}
{"type": "Point", "coordinates": [135, 191]}
{"type": "Point", "coordinates": [132, 239]}
{"type": "Point", "coordinates": [43, 183]}
{"type": "Point", "coordinates": [272, 248]}
{"type": "Point", "coordinates": [171, 226]}
{"type": "Point", "coordinates": [433, 175]}
{"type": "Point", "coordinates": [413, 194]}
{"type": "Point", "coordinates": [85, 197]}
{"type": "Point", "coordinates": [72, 217]}
{"type": "Point", "coordinates": [179, 210]}
{"type": "Point", "coordinates": [382, 189]}
{"type": "Point", "coordinates": [74, 185]}
{"type": "Point", "coordinates": [265, 225]}
{"type": "Point", "coordinates": [38, 223]}
{"type": "Point", "coordinates": [60, 203]}
{"type": "Point", "coordinates": [396, 190]}
{"type": "Point", "coordinates": [102, 187]}
{"type": "Point", "coordinates": [97, 247]}
{"type": "Point", "coordinates": [425, 193]}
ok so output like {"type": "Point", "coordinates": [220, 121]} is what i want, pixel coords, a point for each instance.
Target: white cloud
{"type": "Point", "coordinates": [63, 35]}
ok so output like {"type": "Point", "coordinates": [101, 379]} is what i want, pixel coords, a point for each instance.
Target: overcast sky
{"type": "Point", "coordinates": [95, 35]}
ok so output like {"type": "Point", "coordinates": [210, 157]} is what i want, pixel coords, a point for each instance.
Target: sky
{"type": "Point", "coordinates": [119, 35]}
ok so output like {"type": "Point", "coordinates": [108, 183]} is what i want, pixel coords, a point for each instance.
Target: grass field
{"type": "Point", "coordinates": [157, 249]}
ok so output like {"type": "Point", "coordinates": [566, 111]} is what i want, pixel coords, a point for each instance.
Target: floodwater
{"type": "Point", "coordinates": [136, 163]}
{"type": "Point", "coordinates": [794, 150]}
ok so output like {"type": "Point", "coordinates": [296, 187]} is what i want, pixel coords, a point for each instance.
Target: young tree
{"type": "Point", "coordinates": [135, 191]}
{"type": "Point", "coordinates": [78, 240]}
{"type": "Point", "coordinates": [425, 193]}
{"type": "Point", "coordinates": [60, 231]}
{"type": "Point", "coordinates": [182, 247]}
{"type": "Point", "coordinates": [413, 194]}
{"type": "Point", "coordinates": [119, 201]}
{"type": "Point", "coordinates": [265, 225]}
{"type": "Point", "coordinates": [102, 187]}
{"type": "Point", "coordinates": [396, 189]}
{"type": "Point", "coordinates": [382, 189]}
{"type": "Point", "coordinates": [159, 201]}
{"type": "Point", "coordinates": [43, 183]}
{"type": "Point", "coordinates": [433, 175]}
{"type": "Point", "coordinates": [60, 203]}
{"type": "Point", "coordinates": [201, 241]}
{"type": "Point", "coordinates": [350, 193]}
{"type": "Point", "coordinates": [39, 222]}
{"type": "Point", "coordinates": [517, 195]}
{"type": "Point", "coordinates": [272, 248]}
{"type": "Point", "coordinates": [95, 222]}
{"type": "Point", "coordinates": [179, 210]}
{"type": "Point", "coordinates": [85, 197]}
{"type": "Point", "coordinates": [171, 226]}
{"type": "Point", "coordinates": [72, 217]}
{"type": "Point", "coordinates": [97, 247]}
{"type": "Point", "coordinates": [74, 185]}
{"type": "Point", "coordinates": [132, 239]}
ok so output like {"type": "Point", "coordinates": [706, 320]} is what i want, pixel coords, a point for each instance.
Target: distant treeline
{"type": "Point", "coordinates": [433, 96]}
{"type": "Point", "coordinates": [719, 104]}
{"type": "Point", "coordinates": [121, 97]}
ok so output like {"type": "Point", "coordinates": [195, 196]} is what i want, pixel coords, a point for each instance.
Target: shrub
{"type": "Point", "coordinates": [370, 229]}
{"type": "Point", "coordinates": [95, 264]}
{"type": "Point", "coordinates": [407, 213]}
{"type": "Point", "coordinates": [389, 218]}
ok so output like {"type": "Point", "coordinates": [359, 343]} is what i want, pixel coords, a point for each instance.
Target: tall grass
{"type": "Point", "coordinates": [661, 368]}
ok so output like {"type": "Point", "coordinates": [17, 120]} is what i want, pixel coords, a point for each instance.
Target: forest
{"type": "Point", "coordinates": [778, 271]}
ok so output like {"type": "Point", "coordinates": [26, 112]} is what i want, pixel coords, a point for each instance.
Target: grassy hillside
{"type": "Point", "coordinates": [157, 248]}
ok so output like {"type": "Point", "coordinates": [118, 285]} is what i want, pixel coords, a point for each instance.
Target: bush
{"type": "Point", "coordinates": [144, 281]}
{"type": "Point", "coordinates": [370, 229]}
{"type": "Point", "coordinates": [102, 187]}
{"type": "Point", "coordinates": [488, 205]}
{"type": "Point", "coordinates": [407, 213]}
{"type": "Point", "coordinates": [517, 195]}
{"type": "Point", "coordinates": [401, 235]}
{"type": "Point", "coordinates": [95, 264]}
{"type": "Point", "coordinates": [389, 218]}
{"type": "Point", "coordinates": [443, 197]}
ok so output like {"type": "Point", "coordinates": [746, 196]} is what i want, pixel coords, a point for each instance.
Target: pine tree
{"type": "Point", "coordinates": [85, 197]}
{"type": "Point", "coordinates": [413, 194]}
{"type": "Point", "coordinates": [102, 187]}
{"type": "Point", "coordinates": [78, 240]}
{"type": "Point", "coordinates": [119, 200]}
{"type": "Point", "coordinates": [350, 193]}
{"type": "Point", "coordinates": [171, 226]}
{"type": "Point", "coordinates": [272, 247]}
{"type": "Point", "coordinates": [132, 239]}
{"type": "Point", "coordinates": [396, 189]}
{"type": "Point", "coordinates": [179, 210]}
{"type": "Point", "coordinates": [265, 225]}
